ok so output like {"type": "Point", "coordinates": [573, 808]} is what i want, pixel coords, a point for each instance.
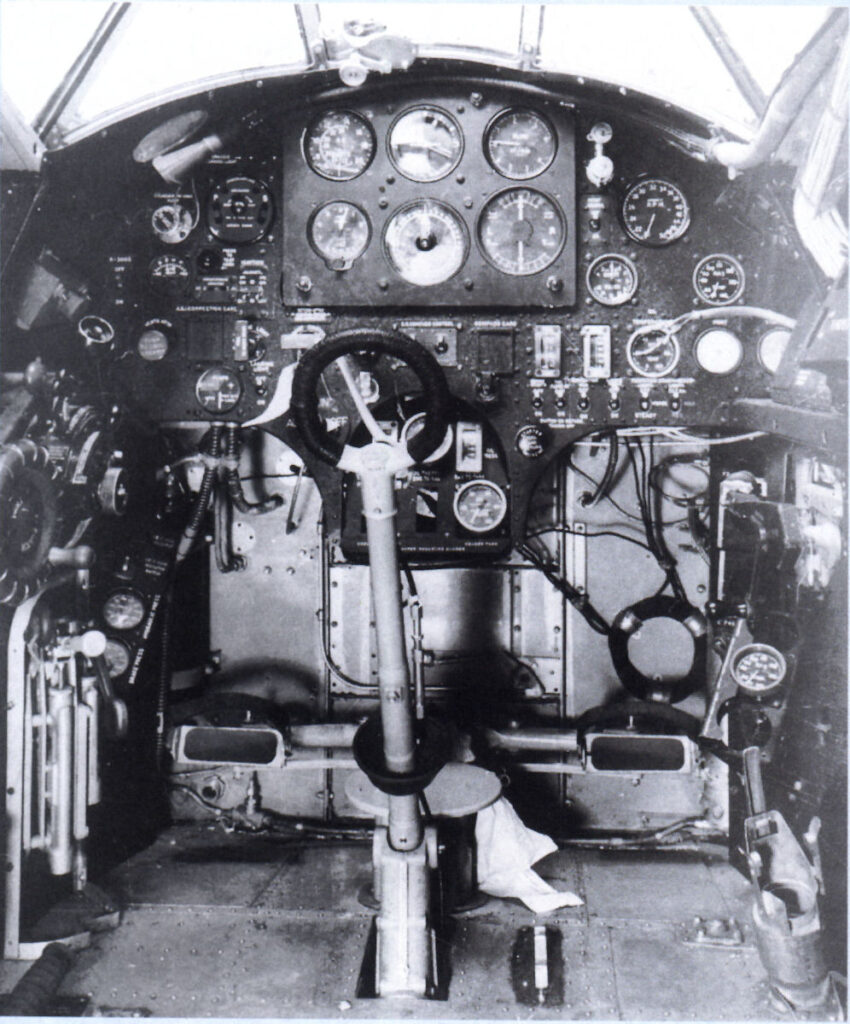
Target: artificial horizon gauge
{"type": "Point", "coordinates": [719, 279]}
{"type": "Point", "coordinates": [612, 279]}
{"type": "Point", "coordinates": [117, 657]}
{"type": "Point", "coordinates": [655, 212]}
{"type": "Point", "coordinates": [758, 668]}
{"type": "Point", "coordinates": [169, 275]}
{"type": "Point", "coordinates": [340, 145]}
{"type": "Point", "coordinates": [218, 389]}
{"type": "Point", "coordinates": [240, 210]}
{"type": "Point", "coordinates": [521, 231]}
{"type": "Point", "coordinates": [653, 353]}
{"type": "Point", "coordinates": [718, 351]}
{"type": "Point", "coordinates": [425, 143]}
{"type": "Point", "coordinates": [480, 506]}
{"type": "Point", "coordinates": [425, 242]}
{"type": "Point", "coordinates": [520, 144]}
{"type": "Point", "coordinates": [123, 609]}
{"type": "Point", "coordinates": [339, 231]}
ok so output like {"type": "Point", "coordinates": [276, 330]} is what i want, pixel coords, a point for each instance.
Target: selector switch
{"type": "Point", "coordinates": [531, 441]}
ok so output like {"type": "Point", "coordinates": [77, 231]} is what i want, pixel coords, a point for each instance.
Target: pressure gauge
{"type": "Point", "coordinates": [520, 144]}
{"type": "Point", "coordinates": [718, 351]}
{"type": "Point", "coordinates": [169, 275]}
{"type": "Point", "coordinates": [340, 145]}
{"type": "Point", "coordinates": [521, 231]}
{"type": "Point", "coordinates": [218, 389]}
{"type": "Point", "coordinates": [653, 353]}
{"type": "Point", "coordinates": [758, 668]}
{"type": "Point", "coordinates": [425, 143]}
{"type": "Point", "coordinates": [339, 232]}
{"type": "Point", "coordinates": [425, 242]}
{"type": "Point", "coordinates": [123, 609]}
{"type": "Point", "coordinates": [117, 656]}
{"type": "Point", "coordinates": [719, 279]}
{"type": "Point", "coordinates": [612, 279]}
{"type": "Point", "coordinates": [655, 212]}
{"type": "Point", "coordinates": [480, 506]}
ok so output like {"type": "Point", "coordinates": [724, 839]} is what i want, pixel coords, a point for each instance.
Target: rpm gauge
{"type": "Point", "coordinates": [425, 143]}
{"type": "Point", "coordinates": [339, 232]}
{"type": "Point", "coordinates": [521, 231]}
{"type": "Point", "coordinates": [340, 145]}
{"type": "Point", "coordinates": [653, 353]}
{"type": "Point", "coordinates": [719, 279]}
{"type": "Point", "coordinates": [655, 212]}
{"type": "Point", "coordinates": [612, 279]}
{"type": "Point", "coordinates": [520, 144]}
{"type": "Point", "coordinates": [425, 242]}
{"type": "Point", "coordinates": [480, 506]}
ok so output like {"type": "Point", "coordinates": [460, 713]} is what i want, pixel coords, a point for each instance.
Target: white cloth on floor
{"type": "Point", "coordinates": [506, 850]}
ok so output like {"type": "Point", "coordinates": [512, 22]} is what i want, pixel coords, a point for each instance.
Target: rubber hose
{"type": "Point", "coordinates": [234, 484]}
{"type": "Point", "coordinates": [32, 995]}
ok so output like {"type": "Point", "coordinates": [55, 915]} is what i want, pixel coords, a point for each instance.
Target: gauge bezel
{"type": "Point", "coordinates": [415, 108]}
{"type": "Point", "coordinates": [492, 201]}
{"type": "Point", "coordinates": [306, 134]}
{"type": "Point", "coordinates": [132, 593]}
{"type": "Point", "coordinates": [501, 115]}
{"type": "Point", "coordinates": [722, 330]}
{"type": "Point", "coordinates": [312, 221]}
{"type": "Point", "coordinates": [479, 482]}
{"type": "Point", "coordinates": [218, 369]}
{"type": "Point", "coordinates": [762, 338]}
{"type": "Point", "coordinates": [118, 642]}
{"type": "Point", "coordinates": [620, 258]}
{"type": "Point", "coordinates": [442, 449]}
{"type": "Point", "coordinates": [756, 648]}
{"type": "Point", "coordinates": [639, 333]}
{"type": "Point", "coordinates": [741, 275]}
{"type": "Point", "coordinates": [642, 183]}
{"type": "Point", "coordinates": [409, 205]}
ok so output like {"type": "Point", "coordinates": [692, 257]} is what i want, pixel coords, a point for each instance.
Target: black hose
{"type": "Point", "coordinates": [202, 502]}
{"type": "Point", "coordinates": [32, 995]}
{"type": "Point", "coordinates": [234, 484]}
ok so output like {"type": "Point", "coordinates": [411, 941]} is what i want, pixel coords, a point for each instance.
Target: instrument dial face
{"type": "Point", "coordinates": [655, 212]}
{"type": "Point", "coordinates": [521, 231]}
{"type": "Point", "coordinates": [719, 279]}
{"type": "Point", "coordinates": [339, 232]}
{"type": "Point", "coordinates": [218, 389]}
{"type": "Point", "coordinates": [425, 143]}
{"type": "Point", "coordinates": [415, 425]}
{"type": "Point", "coordinates": [169, 275]}
{"type": "Point", "coordinates": [653, 353]}
{"type": "Point", "coordinates": [520, 144]}
{"type": "Point", "coordinates": [123, 609]}
{"type": "Point", "coordinates": [480, 506]}
{"type": "Point", "coordinates": [425, 242]}
{"type": "Point", "coordinates": [758, 668]}
{"type": "Point", "coordinates": [117, 655]}
{"type": "Point", "coordinates": [340, 145]}
{"type": "Point", "coordinates": [772, 345]}
{"type": "Point", "coordinates": [240, 210]}
{"type": "Point", "coordinates": [612, 279]}
{"type": "Point", "coordinates": [718, 351]}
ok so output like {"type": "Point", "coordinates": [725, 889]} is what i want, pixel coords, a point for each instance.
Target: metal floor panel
{"type": "Point", "coordinates": [231, 926]}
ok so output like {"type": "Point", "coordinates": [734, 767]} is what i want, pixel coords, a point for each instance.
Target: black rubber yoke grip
{"type": "Point", "coordinates": [304, 407]}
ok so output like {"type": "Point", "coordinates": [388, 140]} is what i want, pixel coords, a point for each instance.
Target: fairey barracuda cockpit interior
{"type": "Point", "coordinates": [422, 487]}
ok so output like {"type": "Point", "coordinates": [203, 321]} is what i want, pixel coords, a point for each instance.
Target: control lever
{"type": "Point", "coordinates": [92, 646]}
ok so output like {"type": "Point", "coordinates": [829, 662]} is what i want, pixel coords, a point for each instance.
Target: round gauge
{"type": "Point", "coordinates": [172, 223]}
{"type": "Point", "coordinates": [152, 344]}
{"type": "Point", "coordinates": [520, 144]}
{"type": "Point", "coordinates": [480, 506]}
{"type": "Point", "coordinates": [719, 279]}
{"type": "Point", "coordinates": [340, 145]}
{"type": "Point", "coordinates": [123, 609]}
{"type": "Point", "coordinates": [758, 668]}
{"type": "Point", "coordinates": [218, 389]}
{"type": "Point", "coordinates": [414, 426]}
{"type": "Point", "coordinates": [653, 353]}
{"type": "Point", "coordinates": [521, 231]}
{"type": "Point", "coordinates": [425, 143]}
{"type": "Point", "coordinates": [718, 351]}
{"type": "Point", "coordinates": [339, 232]}
{"type": "Point", "coordinates": [240, 210]}
{"type": "Point", "coordinates": [655, 212]}
{"type": "Point", "coordinates": [117, 655]}
{"type": "Point", "coordinates": [426, 242]}
{"type": "Point", "coordinates": [772, 345]}
{"type": "Point", "coordinates": [612, 279]}
{"type": "Point", "coordinates": [169, 275]}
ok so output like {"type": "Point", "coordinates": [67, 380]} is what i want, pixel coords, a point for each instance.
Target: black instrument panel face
{"type": "Point", "coordinates": [457, 199]}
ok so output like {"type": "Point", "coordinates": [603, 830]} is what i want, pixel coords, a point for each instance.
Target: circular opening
{"type": "Point", "coordinates": [662, 650]}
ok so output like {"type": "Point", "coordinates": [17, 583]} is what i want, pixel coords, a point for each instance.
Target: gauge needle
{"type": "Point", "coordinates": [520, 254]}
{"type": "Point", "coordinates": [656, 346]}
{"type": "Point", "coordinates": [520, 207]}
{"type": "Point", "coordinates": [649, 226]}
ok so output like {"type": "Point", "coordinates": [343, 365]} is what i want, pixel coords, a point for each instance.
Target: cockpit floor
{"type": "Point", "coordinates": [225, 925]}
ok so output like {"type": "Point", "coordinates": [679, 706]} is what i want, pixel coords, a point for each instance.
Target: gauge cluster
{"type": "Point", "coordinates": [464, 200]}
